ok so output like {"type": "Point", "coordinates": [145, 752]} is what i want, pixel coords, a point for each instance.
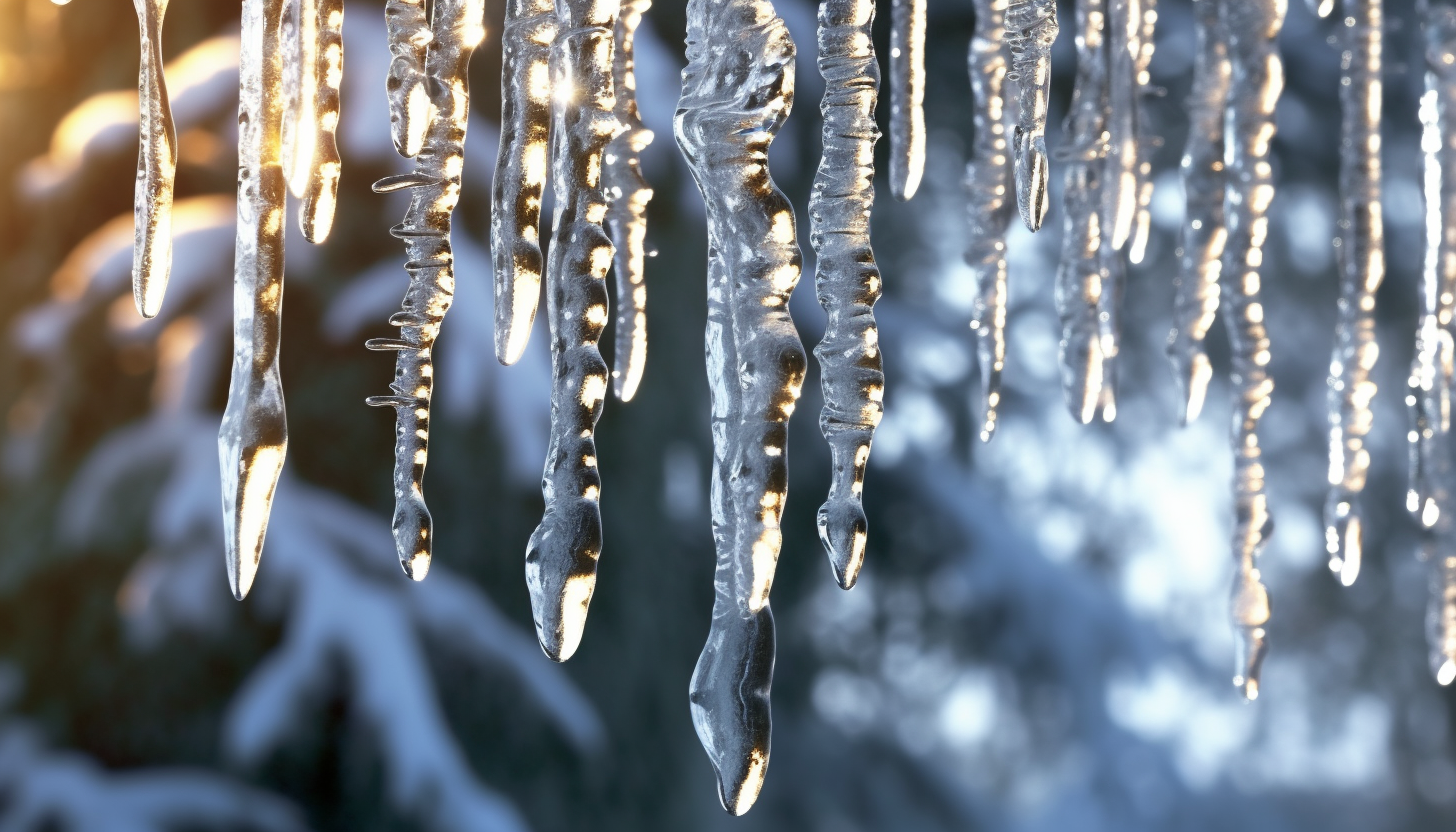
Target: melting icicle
{"type": "Point", "coordinates": [520, 172]}
{"type": "Point", "coordinates": [319, 174]}
{"type": "Point", "coordinates": [628, 194]}
{"type": "Point", "coordinates": [151, 263]}
{"type": "Point", "coordinates": [1252, 27]}
{"type": "Point", "coordinates": [907, 97]}
{"type": "Point", "coordinates": [990, 206]}
{"type": "Point", "coordinates": [1148, 140]}
{"type": "Point", "coordinates": [1204, 232]}
{"type": "Point", "coordinates": [1120, 188]}
{"type": "Point", "coordinates": [457, 28]}
{"type": "Point", "coordinates": [409, 98]}
{"type": "Point", "coordinates": [561, 557]}
{"type": "Point", "coordinates": [847, 279]}
{"type": "Point", "coordinates": [738, 88]}
{"type": "Point", "coordinates": [253, 439]}
{"type": "Point", "coordinates": [1031, 28]}
{"type": "Point", "coordinates": [1362, 267]}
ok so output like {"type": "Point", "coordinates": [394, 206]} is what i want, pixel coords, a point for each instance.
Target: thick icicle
{"type": "Point", "coordinates": [520, 171]}
{"type": "Point", "coordinates": [990, 202]}
{"type": "Point", "coordinates": [1362, 267]}
{"type": "Point", "coordinates": [457, 28]}
{"type": "Point", "coordinates": [320, 172]}
{"type": "Point", "coordinates": [1204, 232]}
{"type": "Point", "coordinates": [253, 439]}
{"type": "Point", "coordinates": [1031, 28]}
{"type": "Point", "coordinates": [151, 263]}
{"type": "Point", "coordinates": [907, 97]}
{"type": "Point", "coordinates": [738, 88]}
{"type": "Point", "coordinates": [628, 194]}
{"type": "Point", "coordinates": [1258, 77]}
{"type": "Point", "coordinates": [409, 98]}
{"type": "Point", "coordinates": [846, 277]}
{"type": "Point", "coordinates": [562, 554]}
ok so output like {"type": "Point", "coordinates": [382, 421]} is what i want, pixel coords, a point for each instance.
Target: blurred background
{"type": "Point", "coordinates": [1039, 640]}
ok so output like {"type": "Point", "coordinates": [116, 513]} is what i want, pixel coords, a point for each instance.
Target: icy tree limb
{"type": "Point", "coordinates": [156, 167]}
{"type": "Point", "coordinates": [907, 97]}
{"type": "Point", "coordinates": [1031, 28]}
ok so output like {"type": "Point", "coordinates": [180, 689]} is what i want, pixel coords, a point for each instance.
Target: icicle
{"type": "Point", "coordinates": [409, 98]}
{"type": "Point", "coordinates": [990, 206]}
{"type": "Point", "coordinates": [1148, 140]}
{"type": "Point", "coordinates": [847, 279]}
{"type": "Point", "coordinates": [151, 263]}
{"type": "Point", "coordinates": [253, 439]}
{"type": "Point", "coordinates": [1320, 8]}
{"type": "Point", "coordinates": [1252, 27]}
{"type": "Point", "coordinates": [300, 77]}
{"type": "Point", "coordinates": [1441, 613]}
{"type": "Point", "coordinates": [1362, 267]}
{"type": "Point", "coordinates": [1119, 189]}
{"type": "Point", "coordinates": [561, 557]}
{"type": "Point", "coordinates": [320, 175]}
{"type": "Point", "coordinates": [737, 90]}
{"type": "Point", "coordinates": [628, 194]}
{"type": "Point", "coordinates": [457, 28]}
{"type": "Point", "coordinates": [1031, 28]}
{"type": "Point", "coordinates": [520, 172]}
{"type": "Point", "coordinates": [907, 97]}
{"type": "Point", "coordinates": [1204, 232]}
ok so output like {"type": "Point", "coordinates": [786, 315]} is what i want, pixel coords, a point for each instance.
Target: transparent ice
{"type": "Point", "coordinates": [907, 97]}
{"type": "Point", "coordinates": [156, 166]}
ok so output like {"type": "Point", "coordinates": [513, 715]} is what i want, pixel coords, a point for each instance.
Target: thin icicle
{"type": "Point", "coordinates": [628, 194]}
{"type": "Point", "coordinates": [907, 97]}
{"type": "Point", "coordinates": [456, 29]}
{"type": "Point", "coordinates": [409, 99]}
{"type": "Point", "coordinates": [300, 81]}
{"type": "Point", "coordinates": [1362, 267]}
{"type": "Point", "coordinates": [1148, 140]}
{"type": "Point", "coordinates": [151, 263]}
{"type": "Point", "coordinates": [738, 88]}
{"type": "Point", "coordinates": [1258, 77]}
{"type": "Point", "coordinates": [321, 175]}
{"type": "Point", "coordinates": [562, 554]}
{"type": "Point", "coordinates": [253, 439]}
{"type": "Point", "coordinates": [990, 204]}
{"type": "Point", "coordinates": [1441, 612]}
{"type": "Point", "coordinates": [1204, 232]}
{"type": "Point", "coordinates": [1120, 188]}
{"type": "Point", "coordinates": [520, 172]}
{"type": "Point", "coordinates": [846, 277]}
{"type": "Point", "coordinates": [1031, 28]}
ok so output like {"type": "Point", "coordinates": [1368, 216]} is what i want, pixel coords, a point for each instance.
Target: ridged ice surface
{"type": "Point", "coordinates": [907, 97]}
{"type": "Point", "coordinates": [409, 98]}
{"type": "Point", "coordinates": [1204, 233]}
{"type": "Point", "coordinates": [317, 172]}
{"type": "Point", "coordinates": [253, 439]}
{"type": "Point", "coordinates": [561, 556]}
{"type": "Point", "coordinates": [627, 195]}
{"type": "Point", "coordinates": [520, 171]}
{"type": "Point", "coordinates": [1257, 79]}
{"type": "Point", "coordinates": [1031, 28]}
{"type": "Point", "coordinates": [1362, 268]}
{"type": "Point", "coordinates": [455, 30]}
{"type": "Point", "coordinates": [990, 201]}
{"type": "Point", "coordinates": [151, 263]}
{"type": "Point", "coordinates": [738, 88]}
{"type": "Point", "coordinates": [846, 277]}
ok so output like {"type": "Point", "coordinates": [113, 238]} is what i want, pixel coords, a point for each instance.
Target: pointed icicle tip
{"type": "Point", "coordinates": [1344, 538]}
{"type": "Point", "coordinates": [729, 699]}
{"type": "Point", "coordinates": [561, 589]}
{"type": "Point", "coordinates": [1253, 646]}
{"type": "Point", "coordinates": [1031, 179]}
{"type": "Point", "coordinates": [843, 530]}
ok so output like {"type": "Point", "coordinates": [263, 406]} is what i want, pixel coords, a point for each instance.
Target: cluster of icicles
{"type": "Point", "coordinates": [569, 112]}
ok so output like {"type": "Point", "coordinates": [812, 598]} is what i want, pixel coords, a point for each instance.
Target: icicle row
{"type": "Point", "coordinates": [1258, 77]}
{"type": "Point", "coordinates": [737, 90]}
{"type": "Point", "coordinates": [990, 202]}
{"type": "Point", "coordinates": [561, 557]}
{"type": "Point", "coordinates": [520, 172]}
{"type": "Point", "coordinates": [1362, 267]}
{"type": "Point", "coordinates": [907, 97]}
{"type": "Point", "coordinates": [151, 264]}
{"type": "Point", "coordinates": [628, 194]}
{"type": "Point", "coordinates": [409, 98]}
{"type": "Point", "coordinates": [847, 279]}
{"type": "Point", "coordinates": [1204, 232]}
{"type": "Point", "coordinates": [1031, 28]}
{"type": "Point", "coordinates": [434, 191]}
{"type": "Point", "coordinates": [320, 176]}
{"type": "Point", "coordinates": [253, 439]}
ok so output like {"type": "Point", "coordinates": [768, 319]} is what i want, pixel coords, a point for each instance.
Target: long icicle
{"type": "Point", "coordinates": [520, 172]}
{"type": "Point", "coordinates": [1148, 139]}
{"type": "Point", "coordinates": [1258, 77]}
{"type": "Point", "coordinates": [562, 554]}
{"type": "Point", "coordinates": [409, 97]}
{"type": "Point", "coordinates": [151, 264]}
{"type": "Point", "coordinates": [457, 28]}
{"type": "Point", "coordinates": [253, 439]}
{"type": "Point", "coordinates": [321, 176]}
{"type": "Point", "coordinates": [738, 88]}
{"type": "Point", "coordinates": [628, 194]}
{"type": "Point", "coordinates": [907, 97]}
{"type": "Point", "coordinates": [1119, 191]}
{"type": "Point", "coordinates": [1031, 29]}
{"type": "Point", "coordinates": [1362, 267]}
{"type": "Point", "coordinates": [846, 277]}
{"type": "Point", "coordinates": [990, 202]}
{"type": "Point", "coordinates": [1204, 232]}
